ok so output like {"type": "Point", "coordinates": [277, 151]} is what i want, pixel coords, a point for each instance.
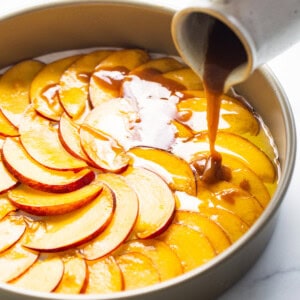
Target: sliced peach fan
{"type": "Point", "coordinates": [104, 161]}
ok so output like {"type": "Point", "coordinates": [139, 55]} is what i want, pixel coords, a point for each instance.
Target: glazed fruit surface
{"type": "Point", "coordinates": [103, 156]}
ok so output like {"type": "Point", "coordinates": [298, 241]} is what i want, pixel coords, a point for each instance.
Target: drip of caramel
{"type": "Point", "coordinates": [224, 53]}
{"type": "Point", "coordinates": [111, 78]}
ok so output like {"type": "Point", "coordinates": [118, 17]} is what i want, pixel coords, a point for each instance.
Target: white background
{"type": "Point", "coordinates": [276, 275]}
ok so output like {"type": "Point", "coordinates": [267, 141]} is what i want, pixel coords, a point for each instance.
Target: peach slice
{"type": "Point", "coordinates": [31, 120]}
{"type": "Point", "coordinates": [40, 139]}
{"type": "Point", "coordinates": [250, 154]}
{"type": "Point", "coordinates": [14, 89]}
{"type": "Point", "coordinates": [123, 220]}
{"type": "Point", "coordinates": [44, 275]}
{"type": "Point", "coordinates": [236, 200]}
{"type": "Point", "coordinates": [68, 133]}
{"type": "Point", "coordinates": [105, 82]}
{"type": "Point", "coordinates": [2, 139]}
{"type": "Point", "coordinates": [74, 82]}
{"type": "Point", "coordinates": [45, 204]}
{"type": "Point", "coordinates": [11, 230]}
{"type": "Point", "coordinates": [241, 177]}
{"type": "Point", "coordinates": [234, 116]}
{"type": "Point", "coordinates": [192, 94]}
{"type": "Point", "coordinates": [114, 118]}
{"type": "Point", "coordinates": [6, 127]}
{"type": "Point", "coordinates": [241, 117]}
{"type": "Point", "coordinates": [44, 88]}
{"type": "Point", "coordinates": [188, 202]}
{"type": "Point", "coordinates": [173, 169]}
{"type": "Point", "coordinates": [234, 145]}
{"type": "Point", "coordinates": [227, 196]}
{"type": "Point", "coordinates": [15, 261]}
{"type": "Point", "coordinates": [163, 258]}
{"type": "Point", "coordinates": [162, 65]}
{"type": "Point", "coordinates": [75, 228]}
{"type": "Point", "coordinates": [28, 171]}
{"type": "Point", "coordinates": [104, 276]}
{"type": "Point", "coordinates": [74, 277]}
{"type": "Point", "coordinates": [104, 151]}
{"type": "Point", "coordinates": [147, 79]}
{"type": "Point", "coordinates": [138, 270]}
{"type": "Point", "coordinates": [186, 77]}
{"type": "Point", "coordinates": [5, 206]}
{"type": "Point", "coordinates": [182, 131]}
{"type": "Point", "coordinates": [7, 180]}
{"type": "Point", "coordinates": [233, 225]}
{"type": "Point", "coordinates": [156, 201]}
{"type": "Point", "coordinates": [192, 247]}
{"type": "Point", "coordinates": [263, 140]}
{"type": "Point", "coordinates": [246, 179]}
{"type": "Point", "coordinates": [128, 58]}
{"type": "Point", "coordinates": [209, 228]}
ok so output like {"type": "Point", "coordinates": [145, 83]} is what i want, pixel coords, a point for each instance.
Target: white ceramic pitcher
{"type": "Point", "coordinates": [265, 28]}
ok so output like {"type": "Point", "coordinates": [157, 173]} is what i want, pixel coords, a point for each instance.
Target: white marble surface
{"type": "Point", "coordinates": [276, 275]}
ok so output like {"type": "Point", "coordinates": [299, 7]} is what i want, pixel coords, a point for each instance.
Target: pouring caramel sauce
{"type": "Point", "coordinates": [224, 53]}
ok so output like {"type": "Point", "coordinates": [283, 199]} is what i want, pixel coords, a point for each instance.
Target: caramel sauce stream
{"type": "Point", "coordinates": [224, 53]}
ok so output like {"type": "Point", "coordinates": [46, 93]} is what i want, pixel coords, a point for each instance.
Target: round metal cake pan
{"type": "Point", "coordinates": [65, 25]}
